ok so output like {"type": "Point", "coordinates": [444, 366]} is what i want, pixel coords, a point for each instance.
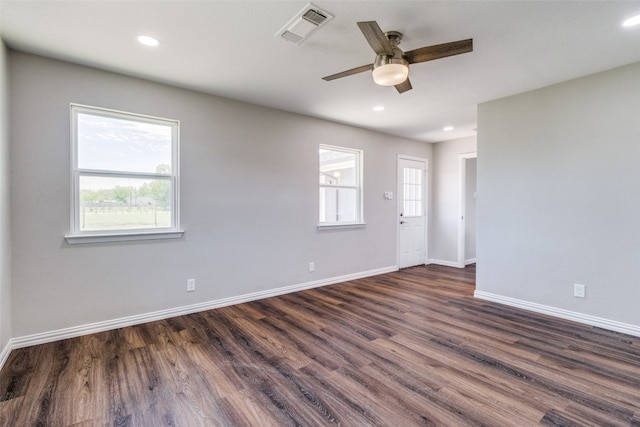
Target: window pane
{"type": "Point", "coordinates": [412, 203]}
{"type": "Point", "coordinates": [337, 168]}
{"type": "Point", "coordinates": [109, 203]}
{"type": "Point", "coordinates": [109, 143]}
{"type": "Point", "coordinates": [409, 208]}
{"type": "Point", "coordinates": [340, 185]}
{"type": "Point", "coordinates": [338, 204]}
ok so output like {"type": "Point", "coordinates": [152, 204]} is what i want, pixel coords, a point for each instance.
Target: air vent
{"type": "Point", "coordinates": [304, 24]}
{"type": "Point", "coordinates": [292, 37]}
{"type": "Point", "coordinates": [314, 16]}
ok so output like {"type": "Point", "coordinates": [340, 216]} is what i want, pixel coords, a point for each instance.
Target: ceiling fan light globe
{"type": "Point", "coordinates": [390, 71]}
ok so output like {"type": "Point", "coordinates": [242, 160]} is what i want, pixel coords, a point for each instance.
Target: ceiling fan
{"type": "Point", "coordinates": [391, 66]}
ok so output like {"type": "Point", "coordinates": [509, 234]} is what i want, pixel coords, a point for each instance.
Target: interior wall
{"type": "Point", "coordinates": [470, 210]}
{"type": "Point", "coordinates": [249, 201]}
{"type": "Point", "coordinates": [558, 179]}
{"type": "Point", "coordinates": [5, 227]}
{"type": "Point", "coordinates": [445, 211]}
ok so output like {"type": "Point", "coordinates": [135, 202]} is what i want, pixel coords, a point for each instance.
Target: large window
{"type": "Point", "coordinates": [124, 174]}
{"type": "Point", "coordinates": [340, 186]}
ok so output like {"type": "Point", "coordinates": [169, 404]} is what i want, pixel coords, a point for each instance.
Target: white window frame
{"type": "Point", "coordinates": [77, 235]}
{"type": "Point", "coordinates": [359, 187]}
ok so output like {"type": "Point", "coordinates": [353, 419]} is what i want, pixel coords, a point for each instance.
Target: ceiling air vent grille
{"type": "Point", "coordinates": [314, 16]}
{"type": "Point", "coordinates": [304, 24]}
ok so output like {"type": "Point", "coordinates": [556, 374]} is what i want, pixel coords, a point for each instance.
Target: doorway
{"type": "Point", "coordinates": [412, 211]}
{"type": "Point", "coordinates": [467, 224]}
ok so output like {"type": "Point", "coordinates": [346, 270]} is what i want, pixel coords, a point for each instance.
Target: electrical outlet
{"type": "Point", "coordinates": [191, 285]}
{"type": "Point", "coordinates": [312, 267]}
{"type": "Point", "coordinates": [579, 291]}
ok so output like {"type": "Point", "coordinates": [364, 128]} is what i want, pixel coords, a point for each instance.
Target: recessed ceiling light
{"type": "Point", "coordinates": [447, 128]}
{"type": "Point", "coordinates": [378, 108]}
{"type": "Point", "coordinates": [148, 40]}
{"type": "Point", "coordinates": [631, 21]}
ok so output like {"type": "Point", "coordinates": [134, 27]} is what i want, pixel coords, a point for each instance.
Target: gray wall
{"type": "Point", "coordinates": [5, 228]}
{"type": "Point", "coordinates": [445, 211]}
{"type": "Point", "coordinates": [558, 176]}
{"type": "Point", "coordinates": [249, 201]}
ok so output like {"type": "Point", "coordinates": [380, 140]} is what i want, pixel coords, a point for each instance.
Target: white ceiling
{"type": "Point", "coordinates": [228, 48]}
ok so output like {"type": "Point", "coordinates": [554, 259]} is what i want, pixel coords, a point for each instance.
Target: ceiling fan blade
{"type": "Point", "coordinates": [376, 38]}
{"type": "Point", "coordinates": [350, 72]}
{"type": "Point", "coordinates": [429, 53]}
{"type": "Point", "coordinates": [404, 86]}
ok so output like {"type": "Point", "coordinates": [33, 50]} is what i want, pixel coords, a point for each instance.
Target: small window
{"type": "Point", "coordinates": [412, 202]}
{"type": "Point", "coordinates": [340, 186]}
{"type": "Point", "coordinates": [124, 173]}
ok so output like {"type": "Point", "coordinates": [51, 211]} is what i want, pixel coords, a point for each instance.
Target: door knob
{"type": "Point", "coordinates": [402, 222]}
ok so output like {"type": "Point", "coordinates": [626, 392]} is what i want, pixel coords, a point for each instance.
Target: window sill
{"type": "Point", "coordinates": [75, 239]}
{"type": "Point", "coordinates": [341, 226]}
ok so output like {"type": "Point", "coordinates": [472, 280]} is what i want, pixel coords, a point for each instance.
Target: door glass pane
{"type": "Point", "coordinates": [412, 186]}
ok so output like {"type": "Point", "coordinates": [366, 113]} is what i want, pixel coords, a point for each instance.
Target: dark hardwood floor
{"type": "Point", "coordinates": [400, 349]}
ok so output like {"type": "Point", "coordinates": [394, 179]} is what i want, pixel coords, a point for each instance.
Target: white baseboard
{"type": "Point", "coordinates": [76, 331]}
{"type": "Point", "coordinates": [469, 261]}
{"type": "Point", "coordinates": [444, 263]}
{"type": "Point", "coordinates": [611, 325]}
{"type": "Point", "coordinates": [4, 354]}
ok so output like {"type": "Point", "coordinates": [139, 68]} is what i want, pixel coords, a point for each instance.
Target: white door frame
{"type": "Point", "coordinates": [462, 227]}
{"type": "Point", "coordinates": [426, 192]}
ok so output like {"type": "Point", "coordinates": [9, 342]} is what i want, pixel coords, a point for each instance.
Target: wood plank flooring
{"type": "Point", "coordinates": [411, 348]}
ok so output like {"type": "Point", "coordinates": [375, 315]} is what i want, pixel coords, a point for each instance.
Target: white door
{"type": "Point", "coordinates": [412, 209]}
